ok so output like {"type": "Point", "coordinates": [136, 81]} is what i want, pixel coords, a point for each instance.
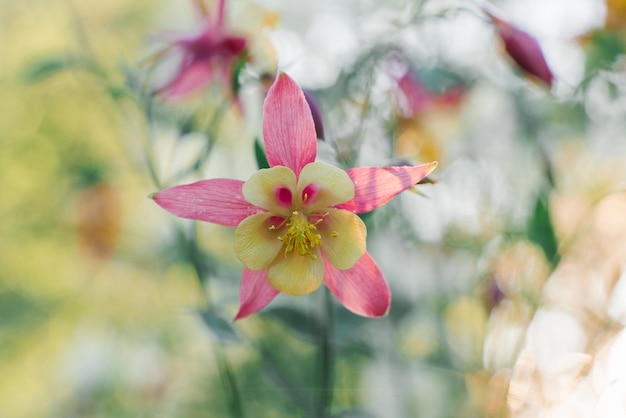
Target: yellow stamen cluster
{"type": "Point", "coordinates": [301, 235]}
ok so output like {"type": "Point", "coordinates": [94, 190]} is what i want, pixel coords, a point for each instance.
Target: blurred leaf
{"type": "Point", "coordinates": [288, 385]}
{"type": "Point", "coordinates": [118, 92]}
{"type": "Point", "coordinates": [19, 311]}
{"type": "Point", "coordinates": [347, 325]}
{"type": "Point", "coordinates": [400, 307]}
{"type": "Point", "coordinates": [439, 79]}
{"type": "Point", "coordinates": [187, 124]}
{"type": "Point", "coordinates": [46, 68]}
{"type": "Point", "coordinates": [305, 326]}
{"type": "Point", "coordinates": [240, 64]}
{"type": "Point", "coordinates": [571, 115]}
{"type": "Point", "coordinates": [541, 231]}
{"type": "Point", "coordinates": [259, 152]}
{"type": "Point", "coordinates": [86, 176]}
{"type": "Point", "coordinates": [219, 327]}
{"type": "Point", "coordinates": [352, 349]}
{"type": "Point", "coordinates": [348, 334]}
{"type": "Point", "coordinates": [604, 49]}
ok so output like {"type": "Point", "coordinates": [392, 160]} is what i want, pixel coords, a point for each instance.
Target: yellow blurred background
{"type": "Point", "coordinates": [82, 332]}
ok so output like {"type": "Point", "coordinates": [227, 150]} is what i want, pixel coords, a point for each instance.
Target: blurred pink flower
{"type": "Point", "coordinates": [208, 55]}
{"type": "Point", "coordinates": [415, 97]}
{"type": "Point", "coordinates": [524, 50]}
{"type": "Point", "coordinates": [296, 227]}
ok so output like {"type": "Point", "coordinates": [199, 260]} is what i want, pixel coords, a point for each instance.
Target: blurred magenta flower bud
{"type": "Point", "coordinates": [524, 50]}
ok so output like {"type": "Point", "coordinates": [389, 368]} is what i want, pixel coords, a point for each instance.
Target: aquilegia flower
{"type": "Point", "coordinates": [208, 55]}
{"type": "Point", "coordinates": [296, 227]}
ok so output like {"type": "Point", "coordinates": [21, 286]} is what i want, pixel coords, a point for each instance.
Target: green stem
{"type": "Point", "coordinates": [327, 360]}
{"type": "Point", "coordinates": [228, 380]}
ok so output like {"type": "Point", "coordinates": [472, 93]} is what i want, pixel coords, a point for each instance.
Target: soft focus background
{"type": "Point", "coordinates": [508, 275]}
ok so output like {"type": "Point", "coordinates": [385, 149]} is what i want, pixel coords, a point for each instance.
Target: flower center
{"type": "Point", "coordinates": [301, 234]}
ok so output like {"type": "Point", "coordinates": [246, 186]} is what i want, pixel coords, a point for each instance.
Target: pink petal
{"type": "Point", "coordinates": [375, 186]}
{"type": "Point", "coordinates": [216, 200]}
{"type": "Point", "coordinates": [189, 79]}
{"type": "Point", "coordinates": [361, 289]}
{"type": "Point", "coordinates": [288, 128]}
{"type": "Point", "coordinates": [255, 292]}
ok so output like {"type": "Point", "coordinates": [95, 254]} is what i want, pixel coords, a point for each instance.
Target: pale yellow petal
{"type": "Point", "coordinates": [343, 238]}
{"type": "Point", "coordinates": [262, 187]}
{"type": "Point", "coordinates": [324, 185]}
{"type": "Point", "coordinates": [256, 245]}
{"type": "Point", "coordinates": [295, 274]}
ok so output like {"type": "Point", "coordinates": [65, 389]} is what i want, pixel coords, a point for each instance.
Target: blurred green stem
{"type": "Point", "coordinates": [229, 382]}
{"type": "Point", "coordinates": [327, 360]}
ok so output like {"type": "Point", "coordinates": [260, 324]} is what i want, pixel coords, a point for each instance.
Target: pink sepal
{"type": "Point", "coordinates": [362, 289]}
{"type": "Point", "coordinates": [218, 201]}
{"type": "Point", "coordinates": [288, 128]}
{"type": "Point", "coordinates": [190, 78]}
{"type": "Point", "coordinates": [219, 16]}
{"type": "Point", "coordinates": [375, 186]}
{"type": "Point", "coordinates": [255, 292]}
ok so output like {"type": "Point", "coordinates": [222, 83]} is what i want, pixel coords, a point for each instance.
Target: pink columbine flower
{"type": "Point", "coordinates": [296, 227]}
{"type": "Point", "coordinates": [524, 50]}
{"type": "Point", "coordinates": [208, 55]}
